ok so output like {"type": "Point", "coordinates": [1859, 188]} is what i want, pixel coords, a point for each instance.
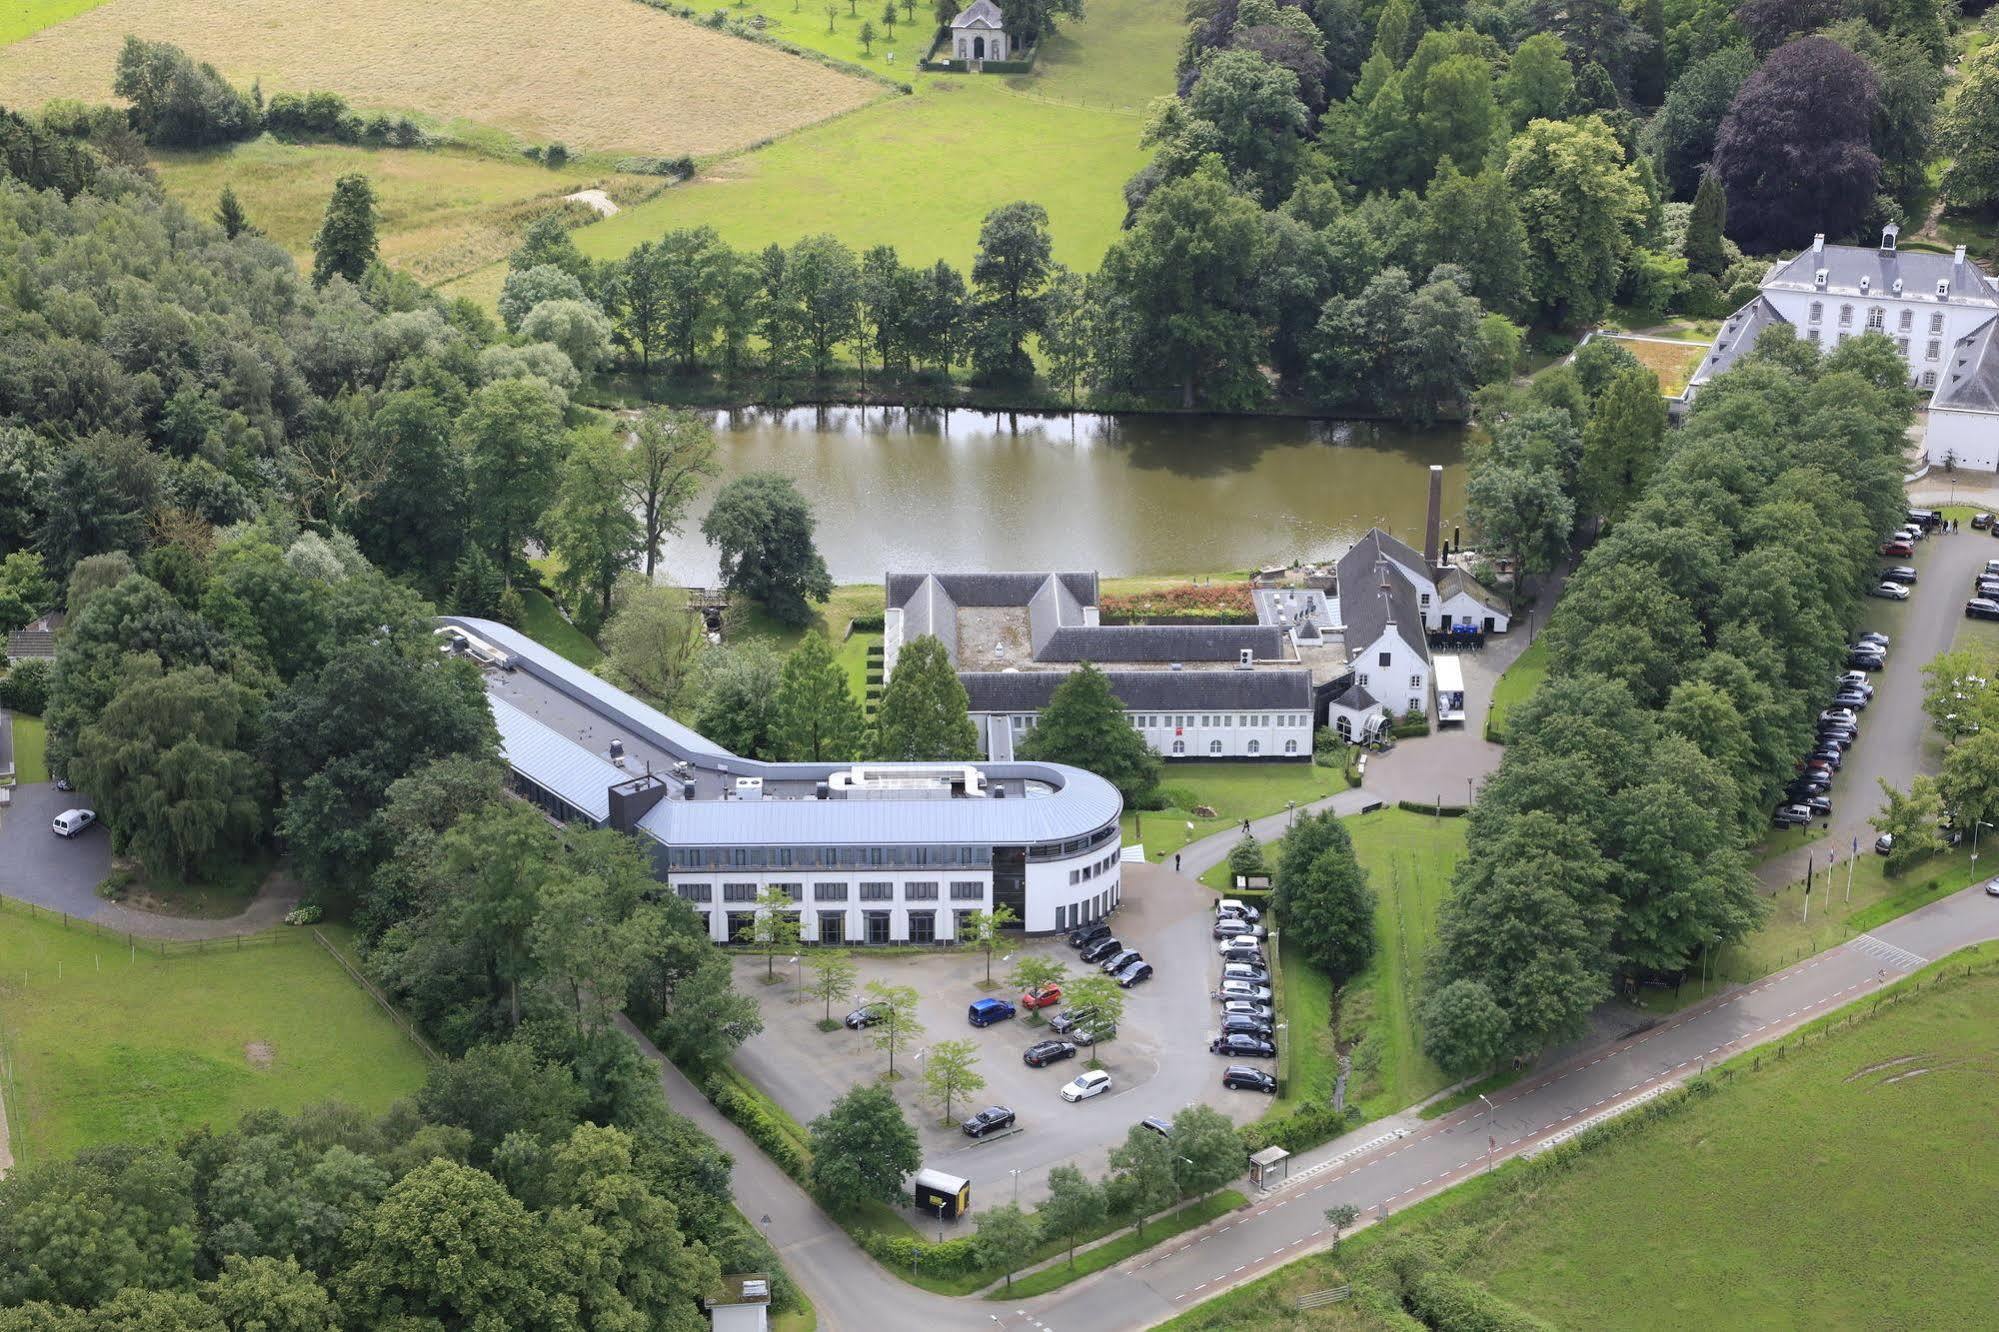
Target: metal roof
{"type": "Point", "coordinates": [553, 762]}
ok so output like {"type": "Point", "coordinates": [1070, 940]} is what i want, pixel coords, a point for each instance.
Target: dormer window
{"type": "Point", "coordinates": [1943, 287]}
{"type": "Point", "coordinates": [1818, 278]}
{"type": "Point", "coordinates": [1897, 286]}
{"type": "Point", "coordinates": [1888, 235]}
{"type": "Point", "coordinates": [1865, 283]}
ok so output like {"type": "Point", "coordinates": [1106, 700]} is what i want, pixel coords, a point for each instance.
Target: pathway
{"type": "Point", "coordinates": [599, 201]}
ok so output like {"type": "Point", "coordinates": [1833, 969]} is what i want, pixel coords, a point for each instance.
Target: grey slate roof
{"type": "Point", "coordinates": [987, 589]}
{"type": "Point", "coordinates": [1146, 691]}
{"type": "Point", "coordinates": [1919, 270]}
{"type": "Point", "coordinates": [554, 762]}
{"type": "Point", "coordinates": [979, 14]}
{"type": "Point", "coordinates": [930, 609]}
{"type": "Point", "coordinates": [1162, 643]}
{"type": "Point", "coordinates": [1738, 334]}
{"type": "Point", "coordinates": [1454, 580]}
{"type": "Point", "coordinates": [1972, 382]}
{"type": "Point", "coordinates": [1365, 608]}
{"type": "Point", "coordinates": [1356, 699]}
{"type": "Point", "coordinates": [1363, 553]}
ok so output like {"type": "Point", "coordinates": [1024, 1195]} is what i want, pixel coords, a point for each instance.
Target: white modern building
{"type": "Point", "coordinates": [865, 853]}
{"type": "Point", "coordinates": [1939, 310]}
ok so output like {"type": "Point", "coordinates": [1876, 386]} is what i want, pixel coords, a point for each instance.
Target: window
{"type": "Point", "coordinates": [1846, 316]}
{"type": "Point", "coordinates": [1075, 876]}
{"type": "Point", "coordinates": [1929, 379]}
{"type": "Point", "coordinates": [833, 926]}
{"type": "Point", "coordinates": [1423, 600]}
{"type": "Point", "coordinates": [793, 891]}
{"type": "Point", "coordinates": [1908, 320]}
{"type": "Point", "coordinates": [1362, 678]}
{"type": "Point", "coordinates": [877, 892]}
{"type": "Point", "coordinates": [967, 890]}
{"type": "Point", "coordinates": [1876, 319]}
{"type": "Point", "coordinates": [829, 892]}
{"type": "Point", "coordinates": [1812, 336]}
{"type": "Point", "coordinates": [1844, 336]}
{"type": "Point", "coordinates": [1936, 323]}
{"type": "Point", "coordinates": [1214, 746]}
{"type": "Point", "coordinates": [1385, 659]}
{"type": "Point", "coordinates": [1343, 728]}
{"type": "Point", "coordinates": [1932, 350]}
{"type": "Point", "coordinates": [1415, 682]}
{"type": "Point", "coordinates": [877, 926]}
{"type": "Point", "coordinates": [923, 927]}
{"type": "Point", "coordinates": [739, 892]}
{"type": "Point", "coordinates": [1818, 312]}
{"type": "Point", "coordinates": [695, 892]}
{"type": "Point", "coordinates": [1179, 746]}
{"type": "Point", "coordinates": [1290, 746]}
{"type": "Point", "coordinates": [1902, 346]}
{"type": "Point", "coordinates": [919, 892]}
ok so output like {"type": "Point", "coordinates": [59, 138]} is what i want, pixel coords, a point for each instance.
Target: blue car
{"type": "Point", "coordinates": [985, 1012]}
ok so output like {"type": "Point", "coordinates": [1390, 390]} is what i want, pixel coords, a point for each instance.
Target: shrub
{"type": "Point", "coordinates": [1302, 1129]}
{"type": "Point", "coordinates": [870, 624]}
{"type": "Point", "coordinates": [304, 915]}
{"type": "Point", "coordinates": [295, 115]}
{"type": "Point", "coordinates": [746, 1114]}
{"type": "Point", "coordinates": [1442, 811]}
{"type": "Point", "coordinates": [26, 687]}
{"type": "Point", "coordinates": [953, 1257]}
{"type": "Point", "coordinates": [555, 155]}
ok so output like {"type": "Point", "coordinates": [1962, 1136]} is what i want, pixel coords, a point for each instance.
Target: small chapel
{"type": "Point", "coordinates": [979, 33]}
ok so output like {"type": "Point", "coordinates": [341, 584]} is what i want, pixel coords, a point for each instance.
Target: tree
{"type": "Point", "coordinates": [924, 713]}
{"type": "Point", "coordinates": [761, 529]}
{"type": "Point", "coordinates": [1460, 114]}
{"type": "Point", "coordinates": [1207, 1150]}
{"type": "Point", "coordinates": [591, 528]}
{"type": "Point", "coordinates": [177, 103]}
{"type": "Point", "coordinates": [775, 928]}
{"type": "Point", "coordinates": [690, 266]}
{"type": "Point", "coordinates": [1582, 204]}
{"type": "Point", "coordinates": [1247, 110]}
{"type": "Point", "coordinates": [1621, 444]}
{"type": "Point", "coordinates": [862, 1150]}
{"type": "Point", "coordinates": [1340, 1219]}
{"type": "Point", "coordinates": [1820, 98]}
{"type": "Point", "coordinates": [1084, 725]}
{"type": "Point", "coordinates": [1522, 507]}
{"type": "Point", "coordinates": [950, 1070]}
{"type": "Point", "coordinates": [898, 1026]}
{"type": "Point", "coordinates": [499, 1090]}
{"type": "Point", "coordinates": [1075, 1204]}
{"type": "Point", "coordinates": [1031, 971]}
{"type": "Point", "coordinates": [1914, 820]}
{"type": "Point", "coordinates": [1104, 998]}
{"type": "Point", "coordinates": [1971, 181]}
{"type": "Point", "coordinates": [1539, 81]}
{"type": "Point", "coordinates": [983, 930]}
{"type": "Point", "coordinates": [511, 433]}
{"type": "Point", "coordinates": [575, 327]}
{"type": "Point", "coordinates": [418, 527]}
{"type": "Point", "coordinates": [1682, 134]}
{"type": "Point", "coordinates": [1009, 278]}
{"type": "Point", "coordinates": [266, 1294]}
{"type": "Point", "coordinates": [1471, 222]}
{"type": "Point", "coordinates": [171, 761]}
{"type": "Point", "coordinates": [637, 301]}
{"type": "Point", "coordinates": [1007, 1238]}
{"type": "Point", "coordinates": [1958, 694]}
{"type": "Point", "coordinates": [1705, 226]}
{"type": "Point", "coordinates": [867, 36]}
{"type": "Point", "coordinates": [818, 719]}
{"type": "Point", "coordinates": [1464, 1029]}
{"type": "Point", "coordinates": [229, 215]}
{"type": "Point", "coordinates": [1065, 332]}
{"type": "Point", "coordinates": [526, 288]}
{"type": "Point", "coordinates": [1969, 782]}
{"type": "Point", "coordinates": [650, 640]}
{"type": "Point", "coordinates": [1329, 914]}
{"type": "Point", "coordinates": [345, 245]}
{"type": "Point", "coordinates": [1142, 1177]}
{"type": "Point", "coordinates": [833, 976]}
{"type": "Point", "coordinates": [820, 290]}
{"type": "Point", "coordinates": [1245, 858]}
{"type": "Point", "coordinates": [735, 697]}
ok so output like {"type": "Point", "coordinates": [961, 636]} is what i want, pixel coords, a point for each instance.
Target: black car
{"type": "Point", "coordinates": [1135, 974]}
{"type": "Point", "coordinates": [1981, 608]}
{"type": "Point", "coordinates": [1804, 788]}
{"type": "Point", "coordinates": [1043, 1053]}
{"type": "Point", "coordinates": [1979, 522]}
{"type": "Point", "coordinates": [1829, 756]}
{"type": "Point", "coordinates": [1241, 1077]}
{"type": "Point", "coordinates": [1247, 1047]}
{"type": "Point", "coordinates": [1089, 934]}
{"type": "Point", "coordinates": [1247, 1026]}
{"type": "Point", "coordinates": [1121, 959]}
{"type": "Point", "coordinates": [1820, 806]}
{"type": "Point", "coordinates": [1102, 949]}
{"type": "Point", "coordinates": [864, 1016]}
{"type": "Point", "coordinates": [989, 1120]}
{"type": "Point", "coordinates": [1069, 1019]}
{"type": "Point", "coordinates": [1791, 816]}
{"type": "Point", "coordinates": [1874, 661]}
{"type": "Point", "coordinates": [1899, 573]}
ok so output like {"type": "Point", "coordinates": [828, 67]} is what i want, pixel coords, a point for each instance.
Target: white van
{"type": "Point", "coordinates": [73, 821]}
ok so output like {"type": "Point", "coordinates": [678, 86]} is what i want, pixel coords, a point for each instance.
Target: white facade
{"type": "Point", "coordinates": [1464, 608]}
{"type": "Point", "coordinates": [1962, 438]}
{"type": "Point", "coordinates": [1395, 673]}
{"type": "Point", "coordinates": [979, 33]}
{"type": "Point", "coordinates": [1184, 735]}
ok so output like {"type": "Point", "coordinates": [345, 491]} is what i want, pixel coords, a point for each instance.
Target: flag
{"type": "Point", "coordinates": [1856, 844]}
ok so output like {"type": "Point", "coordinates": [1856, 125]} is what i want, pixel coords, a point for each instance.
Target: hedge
{"type": "Point", "coordinates": [1301, 1130]}
{"type": "Point", "coordinates": [952, 1257]}
{"type": "Point", "coordinates": [1441, 811]}
{"type": "Point", "coordinates": [747, 1115]}
{"type": "Point", "coordinates": [868, 624]}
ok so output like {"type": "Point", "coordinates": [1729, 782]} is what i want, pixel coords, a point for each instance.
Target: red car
{"type": "Point", "coordinates": [1897, 547]}
{"type": "Point", "coordinates": [1041, 996]}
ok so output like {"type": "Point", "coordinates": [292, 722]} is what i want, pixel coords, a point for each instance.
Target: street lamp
{"type": "Point", "coordinates": [1469, 795]}
{"type": "Point", "coordinates": [1488, 1131]}
{"type": "Point", "coordinates": [1975, 826]}
{"type": "Point", "coordinates": [1016, 1186]}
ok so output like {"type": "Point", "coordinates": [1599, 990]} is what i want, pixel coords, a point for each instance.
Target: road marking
{"type": "Point", "coordinates": [1590, 1123]}
{"type": "Point", "coordinates": [1880, 948]}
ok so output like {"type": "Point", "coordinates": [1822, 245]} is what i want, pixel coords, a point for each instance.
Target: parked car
{"type": "Point", "coordinates": [1093, 1083]}
{"type": "Point", "coordinates": [1980, 521]}
{"type": "Point", "coordinates": [1253, 972]}
{"type": "Point", "coordinates": [989, 1120]}
{"type": "Point", "coordinates": [1852, 699]}
{"type": "Point", "coordinates": [1981, 608]}
{"type": "Point", "coordinates": [1121, 959]}
{"type": "Point", "coordinates": [1065, 1022]}
{"type": "Point", "coordinates": [1043, 1053]}
{"type": "Point", "coordinates": [1820, 806]}
{"type": "Point", "coordinates": [985, 1012]}
{"type": "Point", "coordinates": [1835, 733]}
{"type": "Point", "coordinates": [1247, 1026]}
{"type": "Point", "coordinates": [1879, 641]}
{"type": "Point", "coordinates": [1899, 573]}
{"type": "Point", "coordinates": [1856, 680]}
{"type": "Point", "coordinates": [1839, 716]}
{"type": "Point", "coordinates": [1992, 887]}
{"type": "Point", "coordinates": [1042, 996]}
{"type": "Point", "coordinates": [1791, 816]}
{"type": "Point", "coordinates": [1241, 1077]}
{"type": "Point", "coordinates": [1235, 906]}
{"type": "Point", "coordinates": [1245, 1008]}
{"type": "Point", "coordinates": [1868, 661]}
{"type": "Point", "coordinates": [1245, 1047]}
{"type": "Point", "coordinates": [1804, 789]}
{"type": "Point", "coordinates": [1987, 587]}
{"type": "Point", "coordinates": [865, 1016]}
{"type": "Point", "coordinates": [1884, 844]}
{"type": "Point", "coordinates": [1102, 949]}
{"type": "Point", "coordinates": [1091, 1033]}
{"type": "Point", "coordinates": [1242, 989]}
{"type": "Point", "coordinates": [1089, 934]}
{"type": "Point", "coordinates": [1227, 927]}
{"type": "Point", "coordinates": [73, 821]}
{"type": "Point", "coordinates": [1237, 941]}
{"type": "Point", "coordinates": [1889, 592]}
{"type": "Point", "coordinates": [1137, 973]}
{"type": "Point", "coordinates": [1829, 756]}
{"type": "Point", "coordinates": [1898, 546]}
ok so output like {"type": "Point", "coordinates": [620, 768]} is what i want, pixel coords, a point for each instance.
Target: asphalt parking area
{"type": "Point", "coordinates": [61, 873]}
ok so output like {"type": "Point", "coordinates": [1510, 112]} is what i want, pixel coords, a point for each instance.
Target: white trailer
{"type": "Point", "coordinates": [1450, 684]}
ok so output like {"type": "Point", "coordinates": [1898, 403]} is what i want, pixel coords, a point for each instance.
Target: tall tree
{"type": "Point", "coordinates": [950, 1071]}
{"type": "Point", "coordinates": [833, 976]}
{"type": "Point", "coordinates": [1682, 134]}
{"type": "Point", "coordinates": [688, 265]}
{"type": "Point", "coordinates": [1539, 82]}
{"type": "Point", "coordinates": [736, 698]}
{"type": "Point", "coordinates": [673, 451]}
{"type": "Point", "coordinates": [1471, 222]}
{"type": "Point", "coordinates": [924, 711]}
{"type": "Point", "coordinates": [1705, 225]}
{"type": "Point", "coordinates": [1075, 1204]}
{"type": "Point", "coordinates": [345, 244]}
{"type": "Point", "coordinates": [1006, 1239]}
{"type": "Point", "coordinates": [761, 528]}
{"type": "Point", "coordinates": [511, 433]}
{"type": "Point", "coordinates": [637, 298]}
{"type": "Point", "coordinates": [651, 639]}
{"type": "Point", "coordinates": [1819, 99]}
{"type": "Point", "coordinates": [1329, 914]}
{"type": "Point", "coordinates": [591, 527]}
{"type": "Point", "coordinates": [820, 293]}
{"type": "Point", "coordinates": [1582, 204]}
{"type": "Point", "coordinates": [897, 1026]}
{"type": "Point", "coordinates": [1009, 279]}
{"type": "Point", "coordinates": [1084, 725]}
{"type": "Point", "coordinates": [1142, 1178]}
{"type": "Point", "coordinates": [1971, 181]}
{"type": "Point", "coordinates": [818, 718]}
{"type": "Point", "coordinates": [1621, 443]}
{"type": "Point", "coordinates": [229, 214]}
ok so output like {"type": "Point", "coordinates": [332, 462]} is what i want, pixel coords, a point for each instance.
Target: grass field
{"type": "Point", "coordinates": [31, 741]}
{"type": "Point", "coordinates": [545, 625]}
{"type": "Point", "coordinates": [443, 212]}
{"type": "Point", "coordinates": [1409, 859]}
{"type": "Point", "coordinates": [606, 75]}
{"type": "Point", "coordinates": [1673, 362]}
{"type": "Point", "coordinates": [23, 18]}
{"type": "Point", "coordinates": [101, 1046]}
{"type": "Point", "coordinates": [1832, 1187]}
{"type": "Point", "coordinates": [1520, 679]}
{"type": "Point", "coordinates": [1235, 791]}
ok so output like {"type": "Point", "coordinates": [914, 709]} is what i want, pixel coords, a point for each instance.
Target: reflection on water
{"type": "Point", "coordinates": [918, 488]}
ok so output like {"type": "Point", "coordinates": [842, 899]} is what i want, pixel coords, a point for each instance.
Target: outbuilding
{"type": "Point", "coordinates": [946, 1197]}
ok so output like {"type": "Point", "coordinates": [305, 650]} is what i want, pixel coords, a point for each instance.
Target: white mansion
{"type": "Point", "coordinates": [1941, 310]}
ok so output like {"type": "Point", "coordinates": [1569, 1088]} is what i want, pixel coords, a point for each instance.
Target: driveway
{"type": "Point", "coordinates": [1159, 1062]}
{"type": "Point", "coordinates": [60, 873]}
{"type": "Point", "coordinates": [1437, 767]}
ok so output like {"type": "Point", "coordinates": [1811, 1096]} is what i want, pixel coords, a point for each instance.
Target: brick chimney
{"type": "Point", "coordinates": [1436, 519]}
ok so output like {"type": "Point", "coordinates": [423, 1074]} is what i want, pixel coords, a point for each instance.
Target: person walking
{"type": "Point", "coordinates": [1176, 862]}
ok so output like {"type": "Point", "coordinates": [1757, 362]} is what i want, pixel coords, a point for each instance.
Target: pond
{"type": "Point", "coordinates": [911, 488]}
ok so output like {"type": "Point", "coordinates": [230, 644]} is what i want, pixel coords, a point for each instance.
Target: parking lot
{"type": "Point", "coordinates": [61, 873]}
{"type": "Point", "coordinates": [1159, 1062]}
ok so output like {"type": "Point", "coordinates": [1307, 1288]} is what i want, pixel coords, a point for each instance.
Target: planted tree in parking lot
{"type": "Point", "coordinates": [1142, 1179]}
{"type": "Point", "coordinates": [1912, 819]}
{"type": "Point", "coordinates": [1958, 693]}
{"type": "Point", "coordinates": [833, 974]}
{"type": "Point", "coordinates": [774, 929]}
{"type": "Point", "coordinates": [898, 1028]}
{"type": "Point", "coordinates": [1100, 994]}
{"type": "Point", "coordinates": [949, 1072]}
{"type": "Point", "coordinates": [983, 932]}
{"type": "Point", "coordinates": [1031, 972]}
{"type": "Point", "coordinates": [1207, 1150]}
{"type": "Point", "coordinates": [1006, 1239]}
{"type": "Point", "coordinates": [1970, 780]}
{"type": "Point", "coordinates": [862, 1149]}
{"type": "Point", "coordinates": [1075, 1204]}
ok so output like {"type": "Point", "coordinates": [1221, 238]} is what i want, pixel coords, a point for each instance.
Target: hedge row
{"type": "Point", "coordinates": [1301, 1130]}
{"type": "Point", "coordinates": [952, 1257]}
{"type": "Point", "coordinates": [870, 624]}
{"type": "Point", "coordinates": [744, 1112]}
{"type": "Point", "coordinates": [1441, 811]}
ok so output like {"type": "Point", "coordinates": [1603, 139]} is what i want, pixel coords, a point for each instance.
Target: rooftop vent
{"type": "Point", "coordinates": [617, 751]}
{"type": "Point", "coordinates": [1245, 658]}
{"type": "Point", "coordinates": [1897, 287]}
{"type": "Point", "coordinates": [1865, 282]}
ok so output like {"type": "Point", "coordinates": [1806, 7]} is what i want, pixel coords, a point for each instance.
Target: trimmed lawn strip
{"type": "Point", "coordinates": [1235, 791]}
{"type": "Point", "coordinates": [1409, 859]}
{"type": "Point", "coordinates": [1519, 680]}
{"type": "Point", "coordinates": [1310, 1066]}
{"type": "Point", "coordinates": [1124, 1246]}
{"type": "Point", "coordinates": [542, 622]}
{"type": "Point", "coordinates": [31, 740]}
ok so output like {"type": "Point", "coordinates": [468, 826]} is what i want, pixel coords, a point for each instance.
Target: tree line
{"type": "Point", "coordinates": [1687, 659]}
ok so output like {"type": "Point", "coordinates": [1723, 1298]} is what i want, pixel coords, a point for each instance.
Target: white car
{"type": "Point", "coordinates": [1235, 906]}
{"type": "Point", "coordinates": [1094, 1083]}
{"type": "Point", "coordinates": [1237, 989]}
{"type": "Point", "coordinates": [1891, 592]}
{"type": "Point", "coordinates": [73, 821]}
{"type": "Point", "coordinates": [1249, 941]}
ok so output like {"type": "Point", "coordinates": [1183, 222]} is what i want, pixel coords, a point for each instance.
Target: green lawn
{"type": "Point", "coordinates": [545, 625]}
{"type": "Point", "coordinates": [31, 740]}
{"type": "Point", "coordinates": [853, 658]}
{"type": "Point", "coordinates": [25, 18]}
{"type": "Point", "coordinates": [1825, 1188]}
{"type": "Point", "coordinates": [1188, 1218]}
{"type": "Point", "coordinates": [103, 1046]}
{"type": "Point", "coordinates": [1522, 678]}
{"type": "Point", "coordinates": [1308, 1063]}
{"type": "Point", "coordinates": [1235, 791]}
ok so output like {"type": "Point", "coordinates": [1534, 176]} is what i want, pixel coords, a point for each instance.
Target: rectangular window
{"type": "Point", "coordinates": [1933, 350]}
{"type": "Point", "coordinates": [832, 927]}
{"type": "Point", "coordinates": [739, 892]}
{"type": "Point", "coordinates": [1362, 677]}
{"type": "Point", "coordinates": [1846, 316]}
{"type": "Point", "coordinates": [1902, 346]}
{"type": "Point", "coordinates": [1908, 320]}
{"type": "Point", "coordinates": [961, 922]}
{"type": "Point", "coordinates": [1385, 659]}
{"type": "Point", "coordinates": [967, 890]}
{"type": "Point", "coordinates": [793, 891]}
{"type": "Point", "coordinates": [1936, 323]}
{"type": "Point", "coordinates": [829, 892]}
{"type": "Point", "coordinates": [919, 892]}
{"type": "Point", "coordinates": [877, 927]}
{"type": "Point", "coordinates": [1875, 321]}
{"type": "Point", "coordinates": [695, 892]}
{"type": "Point", "coordinates": [923, 927]}
{"type": "Point", "coordinates": [877, 892]}
{"type": "Point", "coordinates": [1415, 682]}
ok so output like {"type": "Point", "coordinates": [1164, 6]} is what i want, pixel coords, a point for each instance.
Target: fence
{"type": "Point", "coordinates": [403, 1024]}
{"type": "Point", "coordinates": [138, 943]}
{"type": "Point", "coordinates": [1319, 1299]}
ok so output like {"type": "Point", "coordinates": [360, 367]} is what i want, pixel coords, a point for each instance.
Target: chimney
{"type": "Point", "coordinates": [1436, 517]}
{"type": "Point", "coordinates": [1818, 243]}
{"type": "Point", "coordinates": [633, 800]}
{"type": "Point", "coordinates": [1957, 259]}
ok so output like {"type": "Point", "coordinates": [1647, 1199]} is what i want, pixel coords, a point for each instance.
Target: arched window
{"type": "Point", "coordinates": [1214, 746]}
{"type": "Point", "coordinates": [1343, 728]}
{"type": "Point", "coordinates": [1290, 746]}
{"type": "Point", "coordinates": [1256, 746]}
{"type": "Point", "coordinates": [1179, 746]}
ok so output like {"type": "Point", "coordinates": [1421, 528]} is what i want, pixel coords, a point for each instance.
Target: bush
{"type": "Point", "coordinates": [26, 687]}
{"type": "Point", "coordinates": [1410, 725]}
{"type": "Point", "coordinates": [1301, 1130]}
{"type": "Point", "coordinates": [1442, 811]}
{"type": "Point", "coordinates": [1245, 857]}
{"type": "Point", "coordinates": [870, 624]}
{"type": "Point", "coordinates": [1446, 1300]}
{"type": "Point", "coordinates": [679, 168]}
{"type": "Point", "coordinates": [746, 1114]}
{"type": "Point", "coordinates": [555, 155]}
{"type": "Point", "coordinates": [953, 1257]}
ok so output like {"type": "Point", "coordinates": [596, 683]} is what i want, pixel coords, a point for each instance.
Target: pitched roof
{"type": "Point", "coordinates": [1356, 699]}
{"type": "Point", "coordinates": [1738, 334]}
{"type": "Point", "coordinates": [1162, 642]}
{"type": "Point", "coordinates": [1919, 271]}
{"type": "Point", "coordinates": [988, 589]}
{"type": "Point", "coordinates": [1370, 602]}
{"type": "Point", "coordinates": [980, 14]}
{"type": "Point", "coordinates": [1376, 544]}
{"type": "Point", "coordinates": [1972, 382]}
{"type": "Point", "coordinates": [1165, 691]}
{"type": "Point", "coordinates": [1455, 580]}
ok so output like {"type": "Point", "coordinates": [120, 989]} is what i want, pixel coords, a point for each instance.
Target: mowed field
{"type": "Point", "coordinates": [593, 74]}
{"type": "Point", "coordinates": [20, 18]}
{"type": "Point", "coordinates": [100, 1046]}
{"type": "Point", "coordinates": [1409, 859]}
{"type": "Point", "coordinates": [443, 212]}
